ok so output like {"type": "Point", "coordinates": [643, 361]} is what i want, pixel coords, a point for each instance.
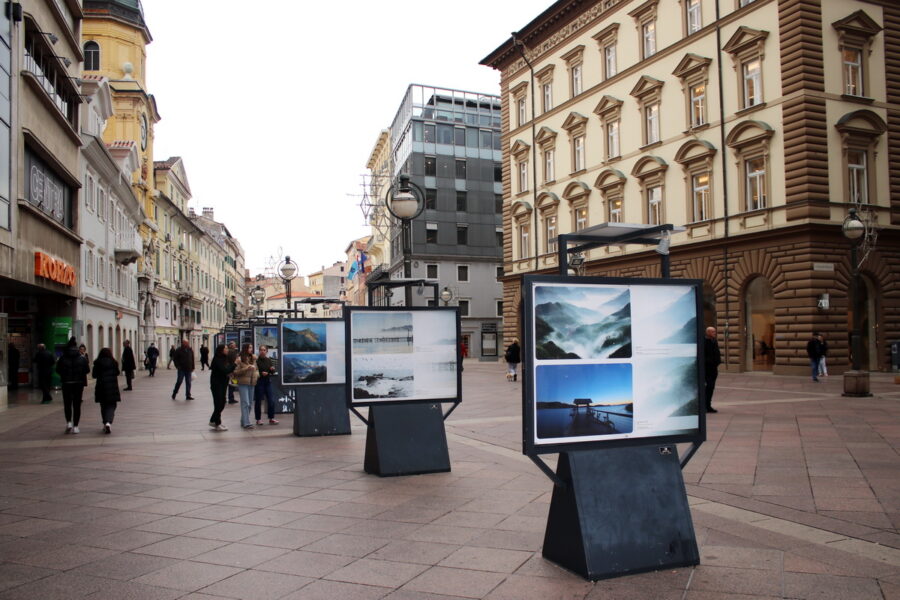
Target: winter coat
{"type": "Point", "coordinates": [246, 373]}
{"type": "Point", "coordinates": [72, 366]}
{"type": "Point", "coordinates": [106, 372]}
{"type": "Point", "coordinates": [712, 356]}
{"type": "Point", "coordinates": [220, 371]}
{"type": "Point", "coordinates": [513, 355]}
{"type": "Point", "coordinates": [183, 358]}
{"type": "Point", "coordinates": [43, 360]}
{"type": "Point", "coordinates": [152, 354]}
{"type": "Point", "coordinates": [204, 353]}
{"type": "Point", "coordinates": [814, 349]}
{"type": "Point", "coordinates": [128, 363]}
{"type": "Point", "coordinates": [264, 365]}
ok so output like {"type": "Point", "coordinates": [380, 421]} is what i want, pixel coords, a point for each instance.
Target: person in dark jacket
{"type": "Point", "coordinates": [184, 362]}
{"type": "Point", "coordinates": [73, 368]}
{"type": "Point", "coordinates": [233, 354]}
{"type": "Point", "coordinates": [172, 351]}
{"type": "Point", "coordinates": [204, 357]}
{"type": "Point", "coordinates": [106, 392]}
{"type": "Point", "coordinates": [128, 364]}
{"type": "Point", "coordinates": [44, 361]}
{"type": "Point", "coordinates": [152, 355]}
{"type": "Point", "coordinates": [220, 372]}
{"type": "Point", "coordinates": [266, 367]}
{"type": "Point", "coordinates": [12, 362]}
{"type": "Point", "coordinates": [712, 358]}
{"type": "Point", "coordinates": [513, 357]}
{"type": "Point", "coordinates": [815, 353]}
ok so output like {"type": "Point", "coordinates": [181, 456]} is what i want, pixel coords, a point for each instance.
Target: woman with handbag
{"type": "Point", "coordinates": [220, 373]}
{"type": "Point", "coordinates": [247, 374]}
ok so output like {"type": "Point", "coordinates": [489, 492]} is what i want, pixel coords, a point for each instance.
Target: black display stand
{"type": "Point", "coordinates": [321, 410]}
{"type": "Point", "coordinates": [406, 439]}
{"type": "Point", "coordinates": [621, 511]}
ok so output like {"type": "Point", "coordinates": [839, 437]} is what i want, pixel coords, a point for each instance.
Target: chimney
{"type": "Point", "coordinates": [208, 213]}
{"type": "Point", "coordinates": [191, 212]}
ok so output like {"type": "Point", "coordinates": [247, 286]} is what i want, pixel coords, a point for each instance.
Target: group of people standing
{"type": "Point", "coordinates": [251, 375]}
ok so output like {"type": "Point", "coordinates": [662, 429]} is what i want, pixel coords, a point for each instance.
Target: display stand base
{"type": "Point", "coordinates": [406, 439]}
{"type": "Point", "coordinates": [622, 511]}
{"type": "Point", "coordinates": [321, 410]}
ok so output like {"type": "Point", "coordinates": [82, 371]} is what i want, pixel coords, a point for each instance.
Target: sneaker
{"type": "Point", "coordinates": [273, 421]}
{"type": "Point", "coordinates": [69, 427]}
{"type": "Point", "coordinates": [259, 423]}
{"type": "Point", "coordinates": [75, 429]}
{"type": "Point", "coordinates": [107, 428]}
{"type": "Point", "coordinates": [248, 427]}
{"type": "Point", "coordinates": [221, 428]}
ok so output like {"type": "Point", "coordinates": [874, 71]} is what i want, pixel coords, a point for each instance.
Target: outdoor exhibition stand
{"type": "Point", "coordinates": [405, 432]}
{"type": "Point", "coordinates": [618, 507]}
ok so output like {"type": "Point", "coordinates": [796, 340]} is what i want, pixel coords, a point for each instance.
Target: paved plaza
{"type": "Point", "coordinates": [796, 494]}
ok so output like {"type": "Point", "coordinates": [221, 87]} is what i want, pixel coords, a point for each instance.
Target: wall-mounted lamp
{"type": "Point", "coordinates": [664, 242]}
{"type": "Point", "coordinates": [50, 36]}
{"type": "Point", "coordinates": [823, 302]}
{"type": "Point", "coordinates": [66, 61]}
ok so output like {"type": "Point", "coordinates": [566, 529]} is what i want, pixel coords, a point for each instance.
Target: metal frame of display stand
{"type": "Point", "coordinates": [619, 510]}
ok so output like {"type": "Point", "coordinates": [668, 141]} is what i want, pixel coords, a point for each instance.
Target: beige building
{"type": "Point", "coordinates": [757, 131]}
{"type": "Point", "coordinates": [378, 250]}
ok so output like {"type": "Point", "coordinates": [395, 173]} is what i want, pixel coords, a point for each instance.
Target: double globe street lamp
{"type": "Point", "coordinates": [258, 295]}
{"type": "Point", "coordinates": [405, 201]}
{"type": "Point", "coordinates": [288, 271]}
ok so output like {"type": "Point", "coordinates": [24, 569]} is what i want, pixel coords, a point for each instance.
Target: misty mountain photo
{"type": "Point", "coordinates": [670, 390]}
{"type": "Point", "coordinates": [304, 368]}
{"type": "Point", "coordinates": [304, 337]}
{"type": "Point", "coordinates": [675, 318]}
{"type": "Point", "coordinates": [578, 322]}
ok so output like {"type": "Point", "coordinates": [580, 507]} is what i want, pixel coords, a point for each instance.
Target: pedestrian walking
{"type": "Point", "coordinates": [73, 368]}
{"type": "Point", "coordinates": [823, 367]}
{"type": "Point", "coordinates": [233, 354]}
{"type": "Point", "coordinates": [171, 356]}
{"type": "Point", "coordinates": [712, 358]}
{"type": "Point", "coordinates": [128, 364]}
{"type": "Point", "coordinates": [220, 373]}
{"type": "Point", "coordinates": [204, 357]}
{"type": "Point", "coordinates": [247, 376]}
{"type": "Point", "coordinates": [44, 362]}
{"type": "Point", "coordinates": [814, 352]}
{"type": "Point", "coordinates": [513, 357]}
{"type": "Point", "coordinates": [266, 368]}
{"type": "Point", "coordinates": [151, 356]}
{"type": "Point", "coordinates": [106, 392]}
{"type": "Point", "coordinates": [12, 364]}
{"type": "Point", "coordinates": [184, 362]}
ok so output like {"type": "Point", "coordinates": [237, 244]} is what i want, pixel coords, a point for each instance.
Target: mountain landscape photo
{"type": "Point", "coordinates": [304, 337]}
{"type": "Point", "coordinates": [675, 322]}
{"type": "Point", "coordinates": [304, 368]}
{"type": "Point", "coordinates": [577, 322]}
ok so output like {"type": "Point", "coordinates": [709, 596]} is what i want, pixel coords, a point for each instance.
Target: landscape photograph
{"type": "Point", "coordinates": [381, 332]}
{"type": "Point", "coordinates": [304, 337]}
{"type": "Point", "coordinates": [304, 368]}
{"type": "Point", "coordinates": [382, 377]}
{"type": "Point", "coordinates": [582, 322]}
{"type": "Point", "coordinates": [267, 336]}
{"type": "Point", "coordinates": [668, 315]}
{"type": "Point", "coordinates": [435, 328]}
{"type": "Point", "coordinates": [670, 394]}
{"type": "Point", "coordinates": [583, 401]}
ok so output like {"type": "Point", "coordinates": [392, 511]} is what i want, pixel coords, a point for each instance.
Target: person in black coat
{"type": "Point", "coordinates": [106, 392]}
{"type": "Point", "coordinates": [204, 357]}
{"type": "Point", "coordinates": [152, 355]}
{"type": "Point", "coordinates": [184, 362]}
{"type": "Point", "coordinates": [221, 369]}
{"type": "Point", "coordinates": [712, 358]}
{"type": "Point", "coordinates": [128, 364]}
{"type": "Point", "coordinates": [12, 362]}
{"type": "Point", "coordinates": [513, 357]}
{"type": "Point", "coordinates": [73, 368]}
{"type": "Point", "coordinates": [44, 362]}
{"type": "Point", "coordinates": [815, 352]}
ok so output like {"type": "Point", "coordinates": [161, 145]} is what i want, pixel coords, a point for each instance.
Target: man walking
{"type": "Point", "coordinates": [73, 369]}
{"type": "Point", "coordinates": [152, 355]}
{"type": "Point", "coordinates": [266, 368]}
{"type": "Point", "coordinates": [814, 352]}
{"type": "Point", "coordinates": [44, 362]}
{"type": "Point", "coordinates": [204, 357]}
{"type": "Point", "coordinates": [128, 364]}
{"type": "Point", "coordinates": [183, 358]}
{"type": "Point", "coordinates": [712, 358]}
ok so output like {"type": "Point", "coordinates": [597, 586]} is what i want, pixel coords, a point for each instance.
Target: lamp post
{"type": "Point", "coordinates": [258, 295]}
{"type": "Point", "coordinates": [288, 270]}
{"type": "Point", "coordinates": [856, 381]}
{"type": "Point", "coordinates": [405, 201]}
{"type": "Point", "coordinates": [446, 295]}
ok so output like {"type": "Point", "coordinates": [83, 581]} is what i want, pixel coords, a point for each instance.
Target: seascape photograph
{"type": "Point", "coordinates": [304, 368]}
{"type": "Point", "coordinates": [382, 377]}
{"type": "Point", "coordinates": [583, 401]}
{"type": "Point", "coordinates": [435, 328]}
{"type": "Point", "coordinates": [382, 332]}
{"type": "Point", "coordinates": [575, 322]}
{"type": "Point", "coordinates": [304, 337]}
{"type": "Point", "coordinates": [436, 369]}
{"type": "Point", "coordinates": [267, 336]}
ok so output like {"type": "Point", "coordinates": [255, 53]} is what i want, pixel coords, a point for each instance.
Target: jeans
{"type": "Point", "coordinates": [186, 376]}
{"type": "Point", "coordinates": [814, 365]}
{"type": "Point", "coordinates": [218, 394]}
{"type": "Point", "coordinates": [72, 393]}
{"type": "Point", "coordinates": [246, 392]}
{"type": "Point", "coordinates": [264, 388]}
{"type": "Point", "coordinates": [823, 368]}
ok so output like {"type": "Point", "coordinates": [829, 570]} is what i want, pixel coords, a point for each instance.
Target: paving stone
{"type": "Point", "coordinates": [308, 564]}
{"type": "Point", "coordinates": [245, 556]}
{"type": "Point", "coordinates": [332, 590]}
{"type": "Point", "coordinates": [456, 582]}
{"type": "Point", "coordinates": [828, 587]}
{"type": "Point", "coordinates": [348, 545]}
{"type": "Point", "coordinates": [180, 547]}
{"type": "Point", "coordinates": [187, 575]}
{"type": "Point", "coordinates": [14, 575]}
{"type": "Point", "coordinates": [377, 572]}
{"type": "Point", "coordinates": [258, 585]}
{"type": "Point", "coordinates": [522, 587]}
{"type": "Point", "coordinates": [486, 559]}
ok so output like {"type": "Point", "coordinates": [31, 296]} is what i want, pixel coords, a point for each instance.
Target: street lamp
{"type": "Point", "coordinates": [856, 382]}
{"type": "Point", "coordinates": [405, 201]}
{"type": "Point", "coordinates": [446, 295]}
{"type": "Point", "coordinates": [258, 295]}
{"type": "Point", "coordinates": [288, 270]}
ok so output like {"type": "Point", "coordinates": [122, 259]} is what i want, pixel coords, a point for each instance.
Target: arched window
{"type": "Point", "coordinates": [91, 56]}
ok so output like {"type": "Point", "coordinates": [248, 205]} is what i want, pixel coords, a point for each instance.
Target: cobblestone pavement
{"type": "Point", "coordinates": [796, 494]}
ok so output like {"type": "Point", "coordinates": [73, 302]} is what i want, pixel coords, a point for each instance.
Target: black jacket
{"type": "Point", "coordinates": [712, 356]}
{"type": "Point", "coordinates": [106, 372]}
{"type": "Point", "coordinates": [72, 366]}
{"type": "Point", "coordinates": [43, 360]}
{"type": "Point", "coordinates": [204, 353]}
{"type": "Point", "coordinates": [221, 369]}
{"type": "Point", "coordinates": [513, 354]}
{"type": "Point", "coordinates": [184, 359]}
{"type": "Point", "coordinates": [814, 349]}
{"type": "Point", "coordinates": [128, 363]}
{"type": "Point", "coordinates": [152, 354]}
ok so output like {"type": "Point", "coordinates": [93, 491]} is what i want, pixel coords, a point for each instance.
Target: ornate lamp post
{"type": "Point", "coordinates": [405, 201]}
{"type": "Point", "coordinates": [446, 295]}
{"type": "Point", "coordinates": [258, 295]}
{"type": "Point", "coordinates": [288, 271]}
{"type": "Point", "coordinates": [856, 381]}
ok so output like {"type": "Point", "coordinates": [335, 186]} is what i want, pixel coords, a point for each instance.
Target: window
{"type": "Point", "coordinates": [654, 205]}
{"type": "Point", "coordinates": [546, 96]}
{"type": "Point", "coordinates": [91, 56]}
{"type": "Point", "coordinates": [648, 92]}
{"type": "Point", "coordinates": [612, 140]}
{"type": "Point", "coordinates": [499, 272]}
{"type": "Point", "coordinates": [752, 83]}
{"type": "Point", "coordinates": [576, 80]}
{"type": "Point", "coordinates": [852, 61]}
{"type": "Point", "coordinates": [462, 273]}
{"type": "Point", "coordinates": [524, 240]}
{"type": "Point", "coordinates": [460, 169]}
{"type": "Point", "coordinates": [498, 235]}
{"type": "Point", "coordinates": [549, 233]}
{"type": "Point", "coordinates": [611, 184]}
{"type": "Point", "coordinates": [581, 218]}
{"type": "Point", "coordinates": [696, 158]}
{"type": "Point", "coordinates": [430, 166]}
{"type": "Point", "coordinates": [578, 153]}
{"type": "Point", "coordinates": [522, 168]}
{"type": "Point", "coordinates": [459, 136]}
{"type": "Point", "coordinates": [651, 173]}
{"type": "Point", "coordinates": [430, 135]}
{"type": "Point", "coordinates": [755, 179]}
{"type": "Point", "coordinates": [648, 39]}
{"type": "Point", "coordinates": [855, 34]}
{"type": "Point", "coordinates": [498, 173]}
{"type": "Point", "coordinates": [430, 198]}
{"type": "Point", "coordinates": [576, 125]}
{"type": "Point", "coordinates": [463, 308]}
{"type": "Point", "coordinates": [651, 123]}
{"type": "Point", "coordinates": [609, 61]}
{"type": "Point", "coordinates": [445, 134]}
{"type": "Point", "coordinates": [431, 231]}
{"type": "Point", "coordinates": [698, 104]}
{"type": "Point", "coordinates": [499, 308]}
{"type": "Point", "coordinates": [606, 41]}
{"type": "Point", "coordinates": [498, 204]}
{"type": "Point", "coordinates": [857, 176]}
{"type": "Point", "coordinates": [615, 211]}
{"type": "Point", "coordinates": [462, 203]}
{"type": "Point", "coordinates": [548, 165]}
{"type": "Point", "coordinates": [693, 18]}
{"type": "Point", "coordinates": [521, 113]}
{"type": "Point", "coordinates": [746, 47]}
{"type": "Point", "coordinates": [462, 235]}
{"type": "Point", "coordinates": [610, 111]}
{"type": "Point", "coordinates": [699, 197]}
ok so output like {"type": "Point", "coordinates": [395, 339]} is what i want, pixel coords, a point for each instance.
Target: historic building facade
{"type": "Point", "coordinates": [755, 124]}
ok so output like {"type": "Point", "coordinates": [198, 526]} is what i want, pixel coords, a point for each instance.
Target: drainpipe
{"type": "Point", "coordinates": [520, 46]}
{"type": "Point", "coordinates": [723, 153]}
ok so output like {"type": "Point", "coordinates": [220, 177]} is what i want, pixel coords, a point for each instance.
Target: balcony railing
{"type": "Point", "coordinates": [47, 81]}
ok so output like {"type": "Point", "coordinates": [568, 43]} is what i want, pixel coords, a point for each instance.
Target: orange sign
{"type": "Point", "coordinates": [53, 269]}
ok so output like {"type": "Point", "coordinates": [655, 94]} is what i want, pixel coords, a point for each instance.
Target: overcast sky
{"type": "Point", "coordinates": [274, 107]}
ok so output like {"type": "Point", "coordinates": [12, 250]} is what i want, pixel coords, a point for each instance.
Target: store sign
{"type": "Point", "coordinates": [53, 269]}
{"type": "Point", "coordinates": [46, 191]}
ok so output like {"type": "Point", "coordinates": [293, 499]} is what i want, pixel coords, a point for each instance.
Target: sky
{"type": "Point", "coordinates": [274, 108]}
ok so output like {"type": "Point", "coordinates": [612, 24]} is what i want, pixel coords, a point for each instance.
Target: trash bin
{"type": "Point", "coordinates": [895, 356]}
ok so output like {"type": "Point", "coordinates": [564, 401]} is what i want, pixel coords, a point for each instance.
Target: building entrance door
{"type": "Point", "coordinates": [759, 330]}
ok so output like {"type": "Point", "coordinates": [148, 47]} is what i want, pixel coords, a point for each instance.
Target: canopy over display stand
{"type": "Point", "coordinates": [617, 507]}
{"type": "Point", "coordinates": [388, 284]}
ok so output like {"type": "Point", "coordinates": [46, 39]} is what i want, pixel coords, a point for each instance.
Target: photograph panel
{"type": "Point", "coordinates": [382, 332]}
{"type": "Point", "coordinates": [304, 368]}
{"type": "Point", "coordinates": [266, 335]}
{"type": "Point", "coordinates": [578, 322]}
{"type": "Point", "coordinates": [383, 376]}
{"type": "Point", "coordinates": [668, 316]}
{"type": "Point", "coordinates": [305, 337]}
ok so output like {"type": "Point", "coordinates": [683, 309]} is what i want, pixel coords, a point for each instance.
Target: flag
{"type": "Point", "coordinates": [353, 269]}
